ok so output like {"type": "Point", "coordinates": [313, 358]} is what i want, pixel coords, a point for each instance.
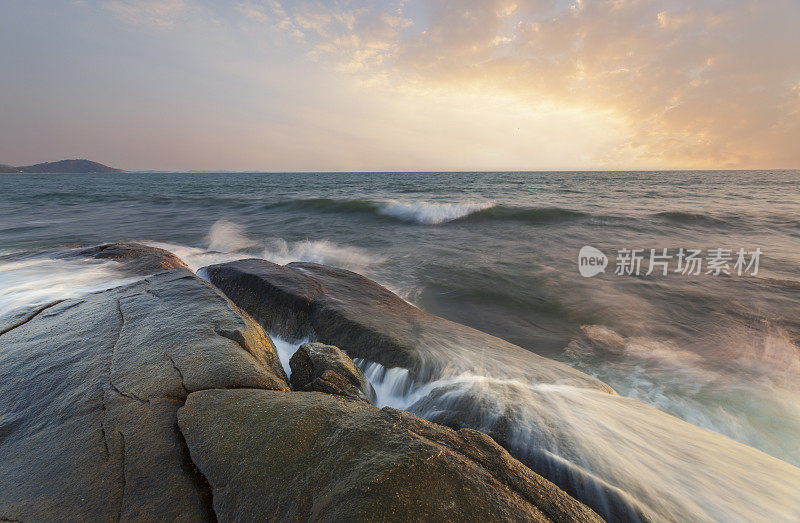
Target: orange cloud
{"type": "Point", "coordinates": [711, 84]}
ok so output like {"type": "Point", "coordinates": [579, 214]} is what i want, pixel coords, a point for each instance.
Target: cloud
{"type": "Point", "coordinates": [705, 84]}
{"type": "Point", "coordinates": [159, 13]}
{"type": "Point", "coordinates": [440, 84]}
{"type": "Point", "coordinates": [254, 11]}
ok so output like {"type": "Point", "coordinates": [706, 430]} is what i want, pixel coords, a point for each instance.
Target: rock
{"type": "Point", "coordinates": [617, 456]}
{"type": "Point", "coordinates": [90, 387]}
{"type": "Point", "coordinates": [463, 404]}
{"type": "Point", "coordinates": [311, 456]}
{"type": "Point", "coordinates": [134, 257]}
{"type": "Point", "coordinates": [325, 368]}
{"type": "Point", "coordinates": [338, 307]}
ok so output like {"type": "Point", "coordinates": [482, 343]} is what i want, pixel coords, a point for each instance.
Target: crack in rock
{"type": "Point", "coordinates": [116, 389]}
{"type": "Point", "coordinates": [124, 477]}
{"type": "Point", "coordinates": [180, 374]}
{"type": "Point", "coordinates": [31, 316]}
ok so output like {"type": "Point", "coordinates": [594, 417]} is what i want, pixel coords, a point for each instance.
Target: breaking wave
{"type": "Point", "coordinates": [435, 213]}
{"type": "Point", "coordinates": [318, 251]}
{"type": "Point", "coordinates": [227, 241]}
{"type": "Point", "coordinates": [430, 213]}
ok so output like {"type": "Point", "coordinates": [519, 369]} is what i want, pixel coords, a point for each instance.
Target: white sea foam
{"type": "Point", "coordinates": [730, 387]}
{"type": "Point", "coordinates": [196, 257]}
{"type": "Point", "coordinates": [431, 213]}
{"type": "Point", "coordinates": [392, 386]}
{"type": "Point", "coordinates": [285, 350]}
{"type": "Point", "coordinates": [34, 281]}
{"type": "Point", "coordinates": [228, 242]}
{"type": "Point", "coordinates": [319, 251]}
{"type": "Point", "coordinates": [227, 236]}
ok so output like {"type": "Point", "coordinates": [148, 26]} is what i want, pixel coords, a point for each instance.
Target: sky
{"type": "Point", "coordinates": [395, 85]}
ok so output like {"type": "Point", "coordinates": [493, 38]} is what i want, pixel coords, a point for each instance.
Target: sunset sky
{"type": "Point", "coordinates": [402, 85]}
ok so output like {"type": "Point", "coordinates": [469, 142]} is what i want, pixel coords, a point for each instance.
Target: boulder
{"type": "Point", "coordinates": [311, 456]}
{"type": "Point", "coordinates": [325, 368]}
{"type": "Point", "coordinates": [339, 307]}
{"type": "Point", "coordinates": [135, 258]}
{"type": "Point", "coordinates": [624, 459]}
{"type": "Point", "coordinates": [90, 388]}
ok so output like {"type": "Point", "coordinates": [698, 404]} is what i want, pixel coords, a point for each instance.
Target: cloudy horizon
{"type": "Point", "coordinates": [402, 85]}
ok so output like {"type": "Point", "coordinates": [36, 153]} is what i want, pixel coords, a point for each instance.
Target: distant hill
{"type": "Point", "coordinates": [62, 166]}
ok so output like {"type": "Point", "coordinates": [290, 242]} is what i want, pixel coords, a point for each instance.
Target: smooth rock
{"type": "Point", "coordinates": [325, 368]}
{"type": "Point", "coordinates": [135, 258]}
{"type": "Point", "coordinates": [90, 387]}
{"type": "Point", "coordinates": [339, 307]}
{"type": "Point", "coordinates": [309, 456]}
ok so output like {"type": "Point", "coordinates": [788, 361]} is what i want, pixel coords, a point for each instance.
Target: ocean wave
{"type": "Point", "coordinates": [227, 236]}
{"type": "Point", "coordinates": [329, 205]}
{"type": "Point", "coordinates": [527, 214]}
{"type": "Point", "coordinates": [690, 218]}
{"type": "Point", "coordinates": [436, 213]}
{"type": "Point", "coordinates": [431, 213]}
{"type": "Point", "coordinates": [752, 373]}
{"type": "Point", "coordinates": [197, 257]}
{"type": "Point", "coordinates": [227, 241]}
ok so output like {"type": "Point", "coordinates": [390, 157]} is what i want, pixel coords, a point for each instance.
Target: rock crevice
{"type": "Point", "coordinates": [28, 317]}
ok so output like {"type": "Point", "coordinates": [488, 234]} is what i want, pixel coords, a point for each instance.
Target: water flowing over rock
{"type": "Point", "coordinates": [342, 308]}
{"type": "Point", "coordinates": [625, 460]}
{"type": "Point", "coordinates": [312, 456]}
{"type": "Point", "coordinates": [325, 368]}
{"type": "Point", "coordinates": [134, 257]}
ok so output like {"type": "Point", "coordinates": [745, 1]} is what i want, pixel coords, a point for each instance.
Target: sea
{"type": "Point", "coordinates": [688, 301]}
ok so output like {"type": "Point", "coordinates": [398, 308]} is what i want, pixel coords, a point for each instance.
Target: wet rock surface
{"type": "Point", "coordinates": [162, 400]}
{"type": "Point", "coordinates": [89, 390]}
{"type": "Point", "coordinates": [325, 368]}
{"type": "Point", "coordinates": [616, 455]}
{"type": "Point", "coordinates": [313, 456]}
{"type": "Point", "coordinates": [135, 258]}
{"type": "Point", "coordinates": [342, 308]}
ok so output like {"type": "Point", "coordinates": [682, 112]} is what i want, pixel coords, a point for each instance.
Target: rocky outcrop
{"type": "Point", "coordinates": [342, 308]}
{"type": "Point", "coordinates": [369, 322]}
{"type": "Point", "coordinates": [90, 387]}
{"type": "Point", "coordinates": [162, 400]}
{"type": "Point", "coordinates": [311, 456]}
{"type": "Point", "coordinates": [624, 459]}
{"type": "Point", "coordinates": [325, 368]}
